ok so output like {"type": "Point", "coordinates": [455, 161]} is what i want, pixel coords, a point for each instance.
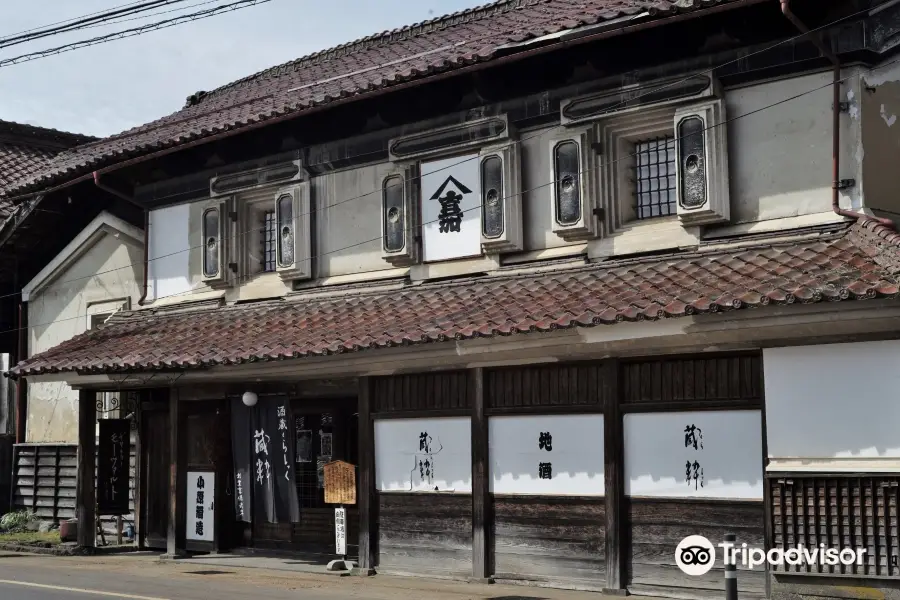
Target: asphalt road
{"type": "Point", "coordinates": [24, 577]}
{"type": "Point", "coordinates": [143, 577]}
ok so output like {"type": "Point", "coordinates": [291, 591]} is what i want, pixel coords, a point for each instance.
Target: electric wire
{"type": "Point", "coordinates": [519, 141]}
{"type": "Point", "coordinates": [79, 22]}
{"type": "Point", "coordinates": [127, 33]}
{"type": "Point", "coordinates": [195, 290]}
{"type": "Point", "coordinates": [511, 143]}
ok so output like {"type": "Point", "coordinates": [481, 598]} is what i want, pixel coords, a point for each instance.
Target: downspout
{"type": "Point", "coordinates": [21, 385]}
{"type": "Point", "coordinates": [127, 198]}
{"type": "Point", "coordinates": [836, 120]}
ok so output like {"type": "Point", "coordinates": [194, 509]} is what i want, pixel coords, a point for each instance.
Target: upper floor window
{"type": "Point", "coordinates": [463, 183]}
{"type": "Point", "coordinates": [261, 227]}
{"type": "Point", "coordinates": [647, 151]}
{"type": "Point", "coordinates": [654, 177]}
{"type": "Point", "coordinates": [267, 233]}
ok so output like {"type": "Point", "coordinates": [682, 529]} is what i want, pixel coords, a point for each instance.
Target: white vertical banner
{"type": "Point", "coordinates": [451, 213]}
{"type": "Point", "coordinates": [340, 531]}
{"type": "Point", "coordinates": [201, 494]}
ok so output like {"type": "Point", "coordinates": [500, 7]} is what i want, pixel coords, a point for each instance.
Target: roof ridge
{"type": "Point", "coordinates": [347, 48]}
{"type": "Point", "coordinates": [35, 131]}
{"type": "Point", "coordinates": [880, 229]}
{"type": "Point", "coordinates": [405, 32]}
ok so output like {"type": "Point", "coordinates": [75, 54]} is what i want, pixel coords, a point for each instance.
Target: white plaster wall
{"type": "Point", "coordinates": [398, 453]}
{"type": "Point", "coordinates": [348, 220]}
{"type": "Point", "coordinates": [780, 157]}
{"type": "Point", "coordinates": [537, 220]}
{"type": "Point", "coordinates": [109, 270]}
{"type": "Point", "coordinates": [575, 454]}
{"type": "Point", "coordinates": [836, 401]}
{"type": "Point", "coordinates": [731, 455]}
{"type": "Point", "coordinates": [169, 252]}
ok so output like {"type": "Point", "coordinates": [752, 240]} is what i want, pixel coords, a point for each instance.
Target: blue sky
{"type": "Point", "coordinates": [111, 87]}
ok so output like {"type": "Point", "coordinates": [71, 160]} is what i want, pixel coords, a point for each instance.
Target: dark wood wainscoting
{"type": "Point", "coordinates": [559, 540]}
{"type": "Point", "coordinates": [656, 526]}
{"type": "Point", "coordinates": [314, 533]}
{"type": "Point", "coordinates": [422, 532]}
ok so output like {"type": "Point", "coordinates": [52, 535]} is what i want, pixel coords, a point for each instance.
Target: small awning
{"type": "Point", "coordinates": [837, 263]}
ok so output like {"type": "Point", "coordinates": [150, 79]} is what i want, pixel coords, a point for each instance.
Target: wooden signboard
{"type": "Point", "coordinates": [340, 483]}
{"type": "Point", "coordinates": [113, 455]}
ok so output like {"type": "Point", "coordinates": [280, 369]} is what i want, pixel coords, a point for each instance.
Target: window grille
{"type": "Point", "coordinates": [654, 178]}
{"type": "Point", "coordinates": [268, 241]}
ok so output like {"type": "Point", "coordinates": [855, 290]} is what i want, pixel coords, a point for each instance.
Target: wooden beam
{"type": "Point", "coordinates": [85, 503]}
{"type": "Point", "coordinates": [613, 455]}
{"type": "Point", "coordinates": [368, 502]}
{"type": "Point", "coordinates": [175, 492]}
{"type": "Point", "coordinates": [481, 521]}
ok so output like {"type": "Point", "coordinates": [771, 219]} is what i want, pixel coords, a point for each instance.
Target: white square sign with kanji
{"type": "Point", "coordinates": [451, 208]}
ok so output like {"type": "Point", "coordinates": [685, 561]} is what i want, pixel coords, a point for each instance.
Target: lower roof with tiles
{"type": "Point", "coordinates": [838, 263]}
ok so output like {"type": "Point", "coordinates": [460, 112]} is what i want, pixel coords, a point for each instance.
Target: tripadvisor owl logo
{"type": "Point", "coordinates": [695, 555]}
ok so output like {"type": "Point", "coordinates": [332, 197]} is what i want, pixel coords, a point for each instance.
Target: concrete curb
{"type": "Point", "coordinates": [62, 549]}
{"type": "Point", "coordinates": [49, 549]}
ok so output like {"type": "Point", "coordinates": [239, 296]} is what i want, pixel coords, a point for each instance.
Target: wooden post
{"type": "Point", "coordinates": [85, 502]}
{"type": "Point", "coordinates": [175, 491]}
{"type": "Point", "coordinates": [138, 470]}
{"type": "Point", "coordinates": [481, 552]}
{"type": "Point", "coordinates": [613, 459]}
{"type": "Point", "coordinates": [368, 503]}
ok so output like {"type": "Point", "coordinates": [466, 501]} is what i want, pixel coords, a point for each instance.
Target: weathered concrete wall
{"type": "Point", "coordinates": [110, 271]}
{"type": "Point", "coordinates": [880, 116]}
{"type": "Point", "coordinates": [780, 157]}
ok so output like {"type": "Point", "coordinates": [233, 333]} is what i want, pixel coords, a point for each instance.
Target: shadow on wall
{"type": "Point", "coordinates": [833, 401]}
{"type": "Point", "coordinates": [702, 453]}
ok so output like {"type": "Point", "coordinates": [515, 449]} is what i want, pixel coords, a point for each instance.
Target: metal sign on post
{"type": "Point", "coordinates": [340, 532]}
{"type": "Point", "coordinates": [340, 488]}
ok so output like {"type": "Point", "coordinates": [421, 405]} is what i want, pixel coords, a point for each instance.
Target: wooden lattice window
{"type": "Point", "coordinates": [839, 512]}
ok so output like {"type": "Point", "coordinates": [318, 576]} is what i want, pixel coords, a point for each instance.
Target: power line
{"type": "Point", "coordinates": [512, 143]}
{"type": "Point", "coordinates": [477, 207]}
{"type": "Point", "coordinates": [68, 20]}
{"type": "Point", "coordinates": [78, 23]}
{"type": "Point", "coordinates": [204, 14]}
{"type": "Point", "coordinates": [155, 14]}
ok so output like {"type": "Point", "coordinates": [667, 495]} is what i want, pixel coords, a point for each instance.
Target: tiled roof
{"type": "Point", "coordinates": [353, 69]}
{"type": "Point", "coordinates": [850, 263]}
{"type": "Point", "coordinates": [26, 149]}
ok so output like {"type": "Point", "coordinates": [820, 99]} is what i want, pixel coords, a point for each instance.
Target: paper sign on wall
{"type": "Point", "coordinates": [701, 454]}
{"type": "Point", "coordinates": [544, 454]}
{"type": "Point", "coordinates": [424, 455]}
{"type": "Point", "coordinates": [451, 213]}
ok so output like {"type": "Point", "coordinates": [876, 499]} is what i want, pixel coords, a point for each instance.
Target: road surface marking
{"type": "Point", "coordinates": [61, 588]}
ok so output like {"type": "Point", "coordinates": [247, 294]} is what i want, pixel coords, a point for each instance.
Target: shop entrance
{"type": "Point", "coordinates": [323, 431]}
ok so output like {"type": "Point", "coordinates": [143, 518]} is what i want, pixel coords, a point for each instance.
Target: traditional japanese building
{"type": "Point", "coordinates": [567, 282]}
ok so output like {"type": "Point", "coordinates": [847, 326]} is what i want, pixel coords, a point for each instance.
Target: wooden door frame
{"type": "Point", "coordinates": [147, 408]}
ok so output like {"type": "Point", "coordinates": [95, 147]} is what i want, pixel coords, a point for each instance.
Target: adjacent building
{"type": "Point", "coordinates": [565, 283]}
